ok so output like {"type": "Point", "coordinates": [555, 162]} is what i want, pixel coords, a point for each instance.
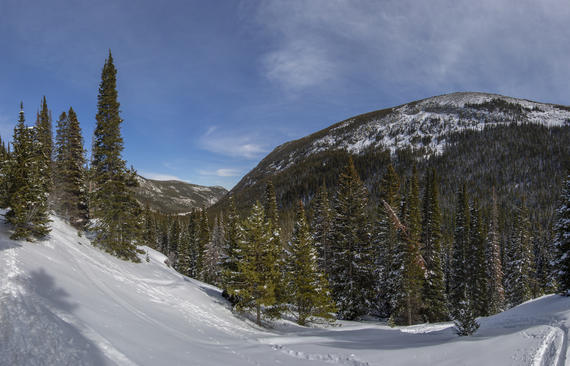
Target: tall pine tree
{"type": "Point", "coordinates": [112, 202]}
{"type": "Point", "coordinates": [562, 238]}
{"type": "Point", "coordinates": [321, 227]}
{"type": "Point", "coordinates": [519, 274]}
{"type": "Point", "coordinates": [352, 256]}
{"type": "Point", "coordinates": [69, 171]}
{"type": "Point", "coordinates": [257, 268]}
{"type": "Point", "coordinates": [414, 265]}
{"type": "Point", "coordinates": [45, 145]}
{"type": "Point", "coordinates": [387, 244]}
{"type": "Point", "coordinates": [458, 295]}
{"type": "Point", "coordinates": [494, 269]}
{"type": "Point", "coordinates": [307, 287]}
{"type": "Point", "coordinates": [27, 196]}
{"type": "Point", "coordinates": [435, 303]}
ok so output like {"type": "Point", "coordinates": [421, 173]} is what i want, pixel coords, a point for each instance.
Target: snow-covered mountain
{"type": "Point", "coordinates": [65, 302]}
{"type": "Point", "coordinates": [428, 127]}
{"type": "Point", "coordinates": [173, 196]}
{"type": "Point", "coordinates": [421, 124]}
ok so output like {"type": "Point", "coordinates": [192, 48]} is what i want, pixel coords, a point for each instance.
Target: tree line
{"type": "Point", "coordinates": [38, 176]}
{"type": "Point", "coordinates": [350, 261]}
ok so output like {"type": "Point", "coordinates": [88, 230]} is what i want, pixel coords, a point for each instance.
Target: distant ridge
{"type": "Point", "coordinates": [176, 197]}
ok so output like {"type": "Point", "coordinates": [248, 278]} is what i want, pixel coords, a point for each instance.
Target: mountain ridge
{"type": "Point", "coordinates": [427, 127]}
{"type": "Point", "coordinates": [174, 196]}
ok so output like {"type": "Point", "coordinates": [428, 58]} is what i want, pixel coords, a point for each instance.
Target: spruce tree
{"type": "Point", "coordinates": [352, 255]}
{"type": "Point", "coordinates": [414, 265]}
{"type": "Point", "coordinates": [45, 148]}
{"type": "Point", "coordinates": [69, 171]}
{"type": "Point", "coordinates": [231, 253]}
{"type": "Point", "coordinates": [111, 201]}
{"type": "Point", "coordinates": [203, 240]}
{"type": "Point", "coordinates": [26, 196]}
{"type": "Point", "coordinates": [272, 218]}
{"type": "Point", "coordinates": [562, 239]}
{"type": "Point", "coordinates": [173, 240]}
{"type": "Point", "coordinates": [475, 262]}
{"type": "Point", "coordinates": [387, 243]}
{"type": "Point", "coordinates": [307, 287]}
{"type": "Point", "coordinates": [494, 270]}
{"type": "Point", "coordinates": [519, 274]}
{"type": "Point", "coordinates": [458, 295]}
{"type": "Point", "coordinates": [434, 300]}
{"type": "Point", "coordinates": [4, 174]}
{"type": "Point", "coordinates": [257, 270]}
{"type": "Point", "coordinates": [213, 253]}
{"type": "Point", "coordinates": [321, 227]}
{"type": "Point", "coordinates": [184, 262]}
{"type": "Point", "coordinates": [465, 321]}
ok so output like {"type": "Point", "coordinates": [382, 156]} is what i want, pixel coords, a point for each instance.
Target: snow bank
{"type": "Point", "coordinates": [65, 302]}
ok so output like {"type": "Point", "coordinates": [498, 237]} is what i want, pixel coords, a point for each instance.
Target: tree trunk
{"type": "Point", "coordinates": [258, 309]}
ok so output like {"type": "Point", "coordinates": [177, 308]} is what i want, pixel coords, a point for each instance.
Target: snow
{"type": "Point", "coordinates": [65, 302]}
{"type": "Point", "coordinates": [426, 124]}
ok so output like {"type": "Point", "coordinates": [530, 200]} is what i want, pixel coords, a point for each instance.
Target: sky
{"type": "Point", "coordinates": [208, 88]}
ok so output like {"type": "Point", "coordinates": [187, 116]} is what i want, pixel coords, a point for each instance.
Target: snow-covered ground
{"type": "Point", "coordinates": [64, 302]}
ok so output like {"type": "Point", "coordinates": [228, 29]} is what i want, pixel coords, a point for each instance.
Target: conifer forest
{"type": "Point", "coordinates": [342, 249]}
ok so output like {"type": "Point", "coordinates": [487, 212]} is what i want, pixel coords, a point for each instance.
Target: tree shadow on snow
{"type": "Point", "coordinates": [38, 329]}
{"type": "Point", "coordinates": [44, 285]}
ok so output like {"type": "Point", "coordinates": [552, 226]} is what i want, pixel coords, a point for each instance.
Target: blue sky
{"type": "Point", "coordinates": [208, 88]}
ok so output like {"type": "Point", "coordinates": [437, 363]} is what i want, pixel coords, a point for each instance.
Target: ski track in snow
{"type": "Point", "coordinates": [36, 329]}
{"type": "Point", "coordinates": [350, 360]}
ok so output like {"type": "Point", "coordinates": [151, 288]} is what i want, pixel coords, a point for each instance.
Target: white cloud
{"type": "Point", "coordinates": [223, 172]}
{"type": "Point", "coordinates": [159, 176]}
{"type": "Point", "coordinates": [508, 46]}
{"type": "Point", "coordinates": [242, 146]}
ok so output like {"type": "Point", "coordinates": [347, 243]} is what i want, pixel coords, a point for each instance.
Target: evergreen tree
{"type": "Point", "coordinates": [388, 254]}
{"type": "Point", "coordinates": [45, 148]}
{"type": "Point", "coordinates": [232, 254]}
{"type": "Point", "coordinates": [435, 303]}
{"type": "Point", "coordinates": [322, 221]}
{"type": "Point", "coordinates": [562, 238]}
{"type": "Point", "coordinates": [494, 270]}
{"type": "Point", "coordinates": [26, 196]}
{"type": "Point", "coordinates": [4, 174]}
{"type": "Point", "coordinates": [475, 263]}
{"type": "Point", "coordinates": [184, 262]}
{"type": "Point", "coordinates": [257, 268]}
{"type": "Point", "coordinates": [352, 256]}
{"type": "Point", "coordinates": [173, 241]}
{"type": "Point", "coordinates": [459, 277]}
{"type": "Point", "coordinates": [203, 240]}
{"type": "Point", "coordinates": [465, 321]}
{"type": "Point", "coordinates": [194, 243]}
{"type": "Point", "coordinates": [272, 217]}
{"type": "Point", "coordinates": [307, 288]}
{"type": "Point", "coordinates": [112, 203]}
{"type": "Point", "coordinates": [519, 258]}
{"type": "Point", "coordinates": [213, 253]}
{"type": "Point", "coordinates": [150, 231]}
{"type": "Point", "coordinates": [69, 171]}
{"type": "Point", "coordinates": [414, 265]}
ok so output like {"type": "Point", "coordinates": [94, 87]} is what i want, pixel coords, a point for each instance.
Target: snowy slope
{"type": "Point", "coordinates": [64, 302]}
{"type": "Point", "coordinates": [425, 124]}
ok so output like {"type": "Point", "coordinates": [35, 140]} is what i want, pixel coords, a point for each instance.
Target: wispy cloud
{"type": "Point", "coordinates": [513, 47]}
{"type": "Point", "coordinates": [159, 176]}
{"type": "Point", "coordinates": [240, 146]}
{"type": "Point", "coordinates": [223, 172]}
